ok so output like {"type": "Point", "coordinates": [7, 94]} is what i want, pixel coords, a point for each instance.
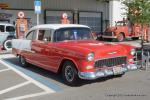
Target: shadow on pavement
{"type": "Point", "coordinates": [54, 76]}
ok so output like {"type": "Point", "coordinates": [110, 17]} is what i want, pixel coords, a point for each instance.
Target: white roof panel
{"type": "Point", "coordinates": [57, 26]}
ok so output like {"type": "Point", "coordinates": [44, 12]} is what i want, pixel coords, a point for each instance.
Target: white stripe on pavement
{"type": "Point", "coordinates": [28, 96]}
{"type": "Point", "coordinates": [14, 87]}
{"type": "Point", "coordinates": [6, 56]}
{"type": "Point", "coordinates": [3, 70]}
{"type": "Point", "coordinates": [47, 89]}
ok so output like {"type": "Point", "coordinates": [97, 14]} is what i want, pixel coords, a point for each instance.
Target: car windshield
{"type": "Point", "coordinates": [120, 23]}
{"type": "Point", "coordinates": [73, 34]}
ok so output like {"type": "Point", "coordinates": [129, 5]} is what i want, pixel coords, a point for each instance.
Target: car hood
{"type": "Point", "coordinates": [97, 47]}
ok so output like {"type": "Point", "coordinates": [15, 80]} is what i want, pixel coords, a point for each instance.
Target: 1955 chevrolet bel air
{"type": "Point", "coordinates": [71, 50]}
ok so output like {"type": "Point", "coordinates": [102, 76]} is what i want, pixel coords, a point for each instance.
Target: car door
{"type": "Point", "coordinates": [43, 49]}
{"type": "Point", "coordinates": [29, 53]}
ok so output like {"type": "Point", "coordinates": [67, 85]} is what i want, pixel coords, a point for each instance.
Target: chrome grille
{"type": "Point", "coordinates": [111, 62]}
{"type": "Point", "coordinates": [108, 33]}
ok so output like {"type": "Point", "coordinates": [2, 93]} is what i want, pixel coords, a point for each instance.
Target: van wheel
{"type": "Point", "coordinates": [120, 37]}
{"type": "Point", "coordinates": [7, 45]}
{"type": "Point", "coordinates": [22, 61]}
{"type": "Point", "coordinates": [70, 73]}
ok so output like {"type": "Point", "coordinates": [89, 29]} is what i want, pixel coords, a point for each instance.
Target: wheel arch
{"type": "Point", "coordinates": [63, 61]}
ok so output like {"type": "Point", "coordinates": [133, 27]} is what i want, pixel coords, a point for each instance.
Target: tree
{"type": "Point", "coordinates": [138, 11]}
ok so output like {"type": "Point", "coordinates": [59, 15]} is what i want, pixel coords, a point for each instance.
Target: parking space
{"type": "Point", "coordinates": [17, 84]}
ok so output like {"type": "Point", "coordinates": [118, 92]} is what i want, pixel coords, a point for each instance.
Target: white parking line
{"type": "Point", "coordinates": [47, 89]}
{"type": "Point", "coordinates": [3, 70]}
{"type": "Point", "coordinates": [28, 96]}
{"type": "Point", "coordinates": [7, 56]}
{"type": "Point", "coordinates": [14, 87]}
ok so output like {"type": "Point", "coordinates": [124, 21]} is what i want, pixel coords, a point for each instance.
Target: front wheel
{"type": "Point", "coordinates": [70, 73]}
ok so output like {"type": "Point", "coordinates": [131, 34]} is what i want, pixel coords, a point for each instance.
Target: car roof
{"type": "Point", "coordinates": [7, 24]}
{"type": "Point", "coordinates": [57, 26]}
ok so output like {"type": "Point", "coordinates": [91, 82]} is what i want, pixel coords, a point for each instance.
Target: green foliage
{"type": "Point", "coordinates": [138, 11]}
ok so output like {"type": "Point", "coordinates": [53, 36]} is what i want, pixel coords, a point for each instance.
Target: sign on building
{"type": "Point", "coordinates": [3, 5]}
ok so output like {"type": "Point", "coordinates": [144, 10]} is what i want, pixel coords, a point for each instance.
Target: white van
{"type": "Point", "coordinates": [7, 33]}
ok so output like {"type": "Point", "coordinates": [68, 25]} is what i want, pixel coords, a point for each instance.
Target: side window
{"type": "Point", "coordinates": [58, 36]}
{"type": "Point", "coordinates": [44, 35]}
{"type": "Point", "coordinates": [2, 28]}
{"type": "Point", "coordinates": [10, 29]}
{"type": "Point", "coordinates": [62, 35]}
{"type": "Point", "coordinates": [31, 35]}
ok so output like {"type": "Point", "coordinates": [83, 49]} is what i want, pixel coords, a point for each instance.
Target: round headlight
{"type": "Point", "coordinates": [133, 51]}
{"type": "Point", "coordinates": [90, 56]}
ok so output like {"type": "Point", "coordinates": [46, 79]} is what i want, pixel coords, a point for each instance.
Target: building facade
{"type": "Point", "coordinates": [96, 14]}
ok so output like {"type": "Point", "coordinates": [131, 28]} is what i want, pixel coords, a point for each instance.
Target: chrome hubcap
{"type": "Point", "coordinates": [69, 74]}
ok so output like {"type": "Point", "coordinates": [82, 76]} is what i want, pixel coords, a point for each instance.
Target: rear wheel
{"type": "Point", "coordinates": [23, 61]}
{"type": "Point", "coordinates": [70, 73]}
{"type": "Point", "coordinates": [120, 37]}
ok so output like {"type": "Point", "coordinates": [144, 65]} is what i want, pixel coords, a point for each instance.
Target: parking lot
{"type": "Point", "coordinates": [33, 83]}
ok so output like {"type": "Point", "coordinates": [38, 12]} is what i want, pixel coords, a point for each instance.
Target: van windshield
{"type": "Point", "coordinates": [10, 29]}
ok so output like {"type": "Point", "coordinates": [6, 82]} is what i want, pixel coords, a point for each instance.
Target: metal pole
{"type": "Point", "coordinates": [37, 19]}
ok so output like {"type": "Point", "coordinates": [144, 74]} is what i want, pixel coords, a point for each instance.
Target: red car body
{"type": "Point", "coordinates": [92, 59]}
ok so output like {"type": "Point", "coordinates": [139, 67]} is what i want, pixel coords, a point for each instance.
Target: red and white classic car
{"type": "Point", "coordinates": [71, 50]}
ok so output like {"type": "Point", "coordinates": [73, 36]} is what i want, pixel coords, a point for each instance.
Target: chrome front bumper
{"type": "Point", "coordinates": [114, 37]}
{"type": "Point", "coordinates": [105, 73]}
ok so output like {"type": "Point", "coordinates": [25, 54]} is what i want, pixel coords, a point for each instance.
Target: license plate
{"type": "Point", "coordinates": [117, 70]}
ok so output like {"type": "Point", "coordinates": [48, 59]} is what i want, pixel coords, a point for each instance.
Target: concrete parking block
{"type": "Point", "coordinates": [22, 91]}
{"type": "Point", "coordinates": [9, 79]}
